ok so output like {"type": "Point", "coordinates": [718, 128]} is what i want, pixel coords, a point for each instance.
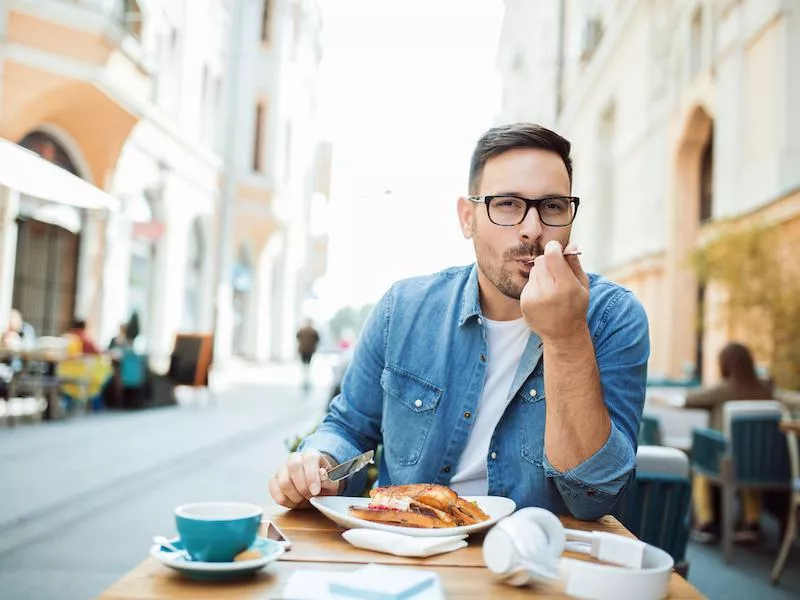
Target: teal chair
{"type": "Point", "coordinates": [132, 369]}
{"type": "Point", "coordinates": [656, 508]}
{"type": "Point", "coordinates": [751, 453]}
{"type": "Point", "coordinates": [650, 431]}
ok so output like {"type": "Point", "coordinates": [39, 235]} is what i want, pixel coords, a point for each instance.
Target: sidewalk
{"type": "Point", "coordinates": [83, 497]}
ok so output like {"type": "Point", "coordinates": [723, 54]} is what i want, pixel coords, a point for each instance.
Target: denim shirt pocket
{"type": "Point", "coordinates": [531, 406]}
{"type": "Point", "coordinates": [409, 409]}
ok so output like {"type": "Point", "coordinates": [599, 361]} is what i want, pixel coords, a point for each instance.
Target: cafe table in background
{"type": "Point", "coordinates": [317, 544]}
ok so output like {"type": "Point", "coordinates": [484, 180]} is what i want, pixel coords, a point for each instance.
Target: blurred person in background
{"type": "Point", "coordinates": [739, 382]}
{"type": "Point", "coordinates": [79, 340]}
{"type": "Point", "coordinates": [18, 335]}
{"type": "Point", "coordinates": [452, 369]}
{"type": "Point", "coordinates": [120, 341]}
{"type": "Point", "coordinates": [307, 342]}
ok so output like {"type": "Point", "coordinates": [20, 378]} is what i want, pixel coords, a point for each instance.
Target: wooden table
{"type": "Point", "coordinates": [317, 544]}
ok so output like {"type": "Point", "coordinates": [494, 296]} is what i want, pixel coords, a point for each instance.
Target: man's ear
{"type": "Point", "coordinates": [466, 216]}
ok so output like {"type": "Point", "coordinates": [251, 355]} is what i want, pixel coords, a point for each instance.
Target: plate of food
{"type": "Point", "coordinates": [420, 510]}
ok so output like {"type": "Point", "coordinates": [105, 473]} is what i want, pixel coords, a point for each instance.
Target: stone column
{"type": "Point", "coordinates": [9, 207]}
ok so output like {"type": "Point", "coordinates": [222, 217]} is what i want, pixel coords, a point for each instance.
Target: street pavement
{"type": "Point", "coordinates": [82, 498]}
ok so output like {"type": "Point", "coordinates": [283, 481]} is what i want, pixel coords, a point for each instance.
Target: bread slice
{"type": "Point", "coordinates": [430, 494]}
{"type": "Point", "coordinates": [419, 518]}
{"type": "Point", "coordinates": [468, 513]}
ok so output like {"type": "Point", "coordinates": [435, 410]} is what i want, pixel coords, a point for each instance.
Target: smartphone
{"type": "Point", "coordinates": [275, 534]}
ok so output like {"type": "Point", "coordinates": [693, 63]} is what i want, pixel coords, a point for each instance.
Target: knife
{"type": "Point", "coordinates": [349, 467]}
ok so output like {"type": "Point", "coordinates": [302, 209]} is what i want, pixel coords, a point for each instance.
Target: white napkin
{"type": "Point", "coordinates": [403, 545]}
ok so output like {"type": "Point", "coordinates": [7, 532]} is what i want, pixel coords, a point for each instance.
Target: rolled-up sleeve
{"type": "Point", "coordinates": [352, 425]}
{"type": "Point", "coordinates": [622, 347]}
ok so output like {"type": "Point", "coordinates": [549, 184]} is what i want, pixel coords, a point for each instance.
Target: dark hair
{"type": "Point", "coordinates": [509, 137]}
{"type": "Point", "coordinates": [736, 363]}
{"type": "Point", "coordinates": [78, 324]}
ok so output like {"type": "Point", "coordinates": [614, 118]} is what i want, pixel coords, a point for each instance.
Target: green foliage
{"type": "Point", "coordinates": [758, 269]}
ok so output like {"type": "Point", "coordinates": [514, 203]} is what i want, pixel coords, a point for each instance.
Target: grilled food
{"type": "Point", "coordinates": [423, 505]}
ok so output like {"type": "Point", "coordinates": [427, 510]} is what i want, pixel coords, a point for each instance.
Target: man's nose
{"type": "Point", "coordinates": [531, 226]}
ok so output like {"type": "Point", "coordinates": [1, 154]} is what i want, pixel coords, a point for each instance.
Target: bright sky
{"type": "Point", "coordinates": [407, 88]}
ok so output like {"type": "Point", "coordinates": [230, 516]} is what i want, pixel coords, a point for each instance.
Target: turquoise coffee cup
{"type": "Point", "coordinates": [217, 531]}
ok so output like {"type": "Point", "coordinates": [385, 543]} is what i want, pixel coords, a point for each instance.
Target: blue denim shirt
{"type": "Point", "coordinates": [418, 372]}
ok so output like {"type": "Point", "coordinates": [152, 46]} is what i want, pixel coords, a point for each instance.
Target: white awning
{"type": "Point", "coordinates": [29, 173]}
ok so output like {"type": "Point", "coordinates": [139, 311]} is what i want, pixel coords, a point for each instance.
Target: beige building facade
{"type": "Point", "coordinates": [281, 176]}
{"type": "Point", "coordinates": [124, 94]}
{"type": "Point", "coordinates": [682, 115]}
{"type": "Point", "coordinates": [133, 97]}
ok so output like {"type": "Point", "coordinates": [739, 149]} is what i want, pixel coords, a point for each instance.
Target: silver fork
{"type": "Point", "coordinates": [578, 253]}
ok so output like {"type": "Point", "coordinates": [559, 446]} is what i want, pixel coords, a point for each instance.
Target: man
{"type": "Point", "coordinates": [307, 342]}
{"type": "Point", "coordinates": [506, 378]}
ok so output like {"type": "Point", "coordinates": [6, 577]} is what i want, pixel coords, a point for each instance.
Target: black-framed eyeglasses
{"type": "Point", "coordinates": [507, 210]}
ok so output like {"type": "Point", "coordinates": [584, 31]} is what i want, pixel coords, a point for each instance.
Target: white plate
{"type": "Point", "coordinates": [212, 571]}
{"type": "Point", "coordinates": [335, 508]}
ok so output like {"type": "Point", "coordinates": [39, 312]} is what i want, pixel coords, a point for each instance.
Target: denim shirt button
{"type": "Point", "coordinates": [446, 468]}
{"type": "Point", "coordinates": [480, 321]}
{"type": "Point", "coordinates": [494, 455]}
{"type": "Point", "coordinates": [483, 358]}
{"type": "Point", "coordinates": [467, 415]}
{"type": "Point", "coordinates": [417, 403]}
{"type": "Point", "coordinates": [533, 393]}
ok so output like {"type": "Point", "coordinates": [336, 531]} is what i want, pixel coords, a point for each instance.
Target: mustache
{"type": "Point", "coordinates": [524, 252]}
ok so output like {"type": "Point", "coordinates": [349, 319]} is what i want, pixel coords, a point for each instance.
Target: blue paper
{"type": "Point", "coordinates": [379, 582]}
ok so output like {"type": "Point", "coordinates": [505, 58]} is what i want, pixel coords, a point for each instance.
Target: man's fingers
{"type": "Point", "coordinates": [541, 272]}
{"type": "Point", "coordinates": [287, 486]}
{"type": "Point", "coordinates": [298, 475]}
{"type": "Point", "coordinates": [278, 495]}
{"type": "Point", "coordinates": [311, 468]}
{"type": "Point", "coordinates": [556, 261]}
{"type": "Point", "coordinates": [329, 488]}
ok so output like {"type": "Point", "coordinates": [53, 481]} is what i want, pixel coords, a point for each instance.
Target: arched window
{"type": "Point", "coordinates": [46, 270]}
{"type": "Point", "coordinates": [48, 147]}
{"type": "Point", "coordinates": [132, 18]}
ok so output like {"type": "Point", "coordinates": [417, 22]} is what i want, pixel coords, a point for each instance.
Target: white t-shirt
{"type": "Point", "coordinates": [506, 341]}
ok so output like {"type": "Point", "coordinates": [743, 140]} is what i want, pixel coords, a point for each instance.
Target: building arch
{"type": "Point", "coordinates": [46, 274]}
{"type": "Point", "coordinates": [80, 166]}
{"type": "Point", "coordinates": [692, 181]}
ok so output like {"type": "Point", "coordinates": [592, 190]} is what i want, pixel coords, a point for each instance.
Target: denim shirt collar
{"type": "Point", "coordinates": [471, 308]}
{"type": "Point", "coordinates": [471, 304]}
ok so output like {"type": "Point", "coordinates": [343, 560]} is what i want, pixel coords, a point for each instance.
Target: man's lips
{"type": "Point", "coordinates": [525, 264]}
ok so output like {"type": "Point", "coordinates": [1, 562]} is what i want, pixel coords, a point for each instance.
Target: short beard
{"type": "Point", "coordinates": [502, 274]}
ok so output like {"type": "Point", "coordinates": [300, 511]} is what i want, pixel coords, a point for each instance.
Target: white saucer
{"type": "Point", "coordinates": [217, 571]}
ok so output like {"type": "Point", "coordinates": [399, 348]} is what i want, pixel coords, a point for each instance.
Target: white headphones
{"type": "Point", "coordinates": [526, 548]}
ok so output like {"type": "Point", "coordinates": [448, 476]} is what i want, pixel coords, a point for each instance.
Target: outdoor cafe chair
{"type": "Point", "coordinates": [790, 534]}
{"type": "Point", "coordinates": [650, 431]}
{"type": "Point", "coordinates": [656, 508]}
{"type": "Point", "coordinates": [749, 454]}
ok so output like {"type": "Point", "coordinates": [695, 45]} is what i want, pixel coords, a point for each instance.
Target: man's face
{"type": "Point", "coordinates": [502, 252]}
